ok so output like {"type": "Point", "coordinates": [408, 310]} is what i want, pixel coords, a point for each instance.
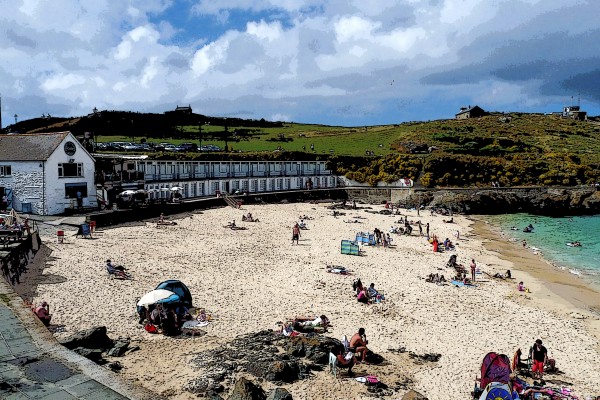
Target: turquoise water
{"type": "Point", "coordinates": [551, 235]}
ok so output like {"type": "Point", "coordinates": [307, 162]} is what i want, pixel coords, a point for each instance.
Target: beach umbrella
{"type": "Point", "coordinates": [141, 191]}
{"type": "Point", "coordinates": [127, 193]}
{"type": "Point", "coordinates": [156, 296]}
{"type": "Point", "coordinates": [176, 188]}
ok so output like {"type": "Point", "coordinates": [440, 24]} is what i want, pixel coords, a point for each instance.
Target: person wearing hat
{"type": "Point", "coordinates": [43, 313]}
{"type": "Point", "coordinates": [539, 356]}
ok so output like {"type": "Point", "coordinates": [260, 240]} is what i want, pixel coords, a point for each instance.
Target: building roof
{"type": "Point", "coordinates": [468, 109]}
{"type": "Point", "coordinates": [29, 146]}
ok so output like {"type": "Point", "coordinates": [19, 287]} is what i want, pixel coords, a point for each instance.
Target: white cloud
{"type": "Point", "coordinates": [61, 82]}
{"type": "Point", "coordinates": [296, 55]}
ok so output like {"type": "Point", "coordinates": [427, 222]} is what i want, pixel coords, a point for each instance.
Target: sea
{"type": "Point", "coordinates": [551, 235]}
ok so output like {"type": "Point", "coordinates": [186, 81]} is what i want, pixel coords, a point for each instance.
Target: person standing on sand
{"type": "Point", "coordinates": [427, 226]}
{"type": "Point", "coordinates": [473, 269]}
{"type": "Point", "coordinates": [296, 234]}
{"type": "Point", "coordinates": [539, 355]}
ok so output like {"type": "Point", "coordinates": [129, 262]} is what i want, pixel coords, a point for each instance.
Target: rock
{"type": "Point", "coordinates": [246, 390]}
{"type": "Point", "coordinates": [279, 394]}
{"type": "Point", "coordinates": [413, 395]}
{"type": "Point", "coordinates": [285, 371]}
{"type": "Point", "coordinates": [216, 388]}
{"type": "Point", "coordinates": [119, 348]}
{"type": "Point", "coordinates": [93, 338]}
{"type": "Point", "coordinates": [212, 396]}
{"type": "Point", "coordinates": [91, 354]}
{"type": "Point", "coordinates": [115, 366]}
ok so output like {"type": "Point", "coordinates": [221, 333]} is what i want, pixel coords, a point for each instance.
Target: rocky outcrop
{"type": "Point", "coordinates": [266, 355]}
{"type": "Point", "coordinates": [92, 343]}
{"type": "Point", "coordinates": [543, 201]}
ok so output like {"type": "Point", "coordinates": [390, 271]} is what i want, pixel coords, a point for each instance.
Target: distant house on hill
{"type": "Point", "coordinates": [470, 112]}
{"type": "Point", "coordinates": [574, 112]}
{"type": "Point", "coordinates": [181, 110]}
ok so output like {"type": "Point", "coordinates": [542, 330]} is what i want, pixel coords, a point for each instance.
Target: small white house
{"type": "Point", "coordinates": [43, 173]}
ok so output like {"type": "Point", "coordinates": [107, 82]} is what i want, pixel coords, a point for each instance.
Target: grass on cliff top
{"type": "Point", "coordinates": [529, 134]}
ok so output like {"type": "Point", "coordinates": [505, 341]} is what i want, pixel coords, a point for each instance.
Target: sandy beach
{"type": "Point", "coordinates": [251, 279]}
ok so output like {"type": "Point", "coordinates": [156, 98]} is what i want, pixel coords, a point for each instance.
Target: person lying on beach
{"type": "Point", "coordinates": [163, 221]}
{"type": "Point", "coordinates": [358, 344]}
{"type": "Point", "coordinates": [334, 269]}
{"type": "Point", "coordinates": [306, 322]}
{"type": "Point", "coordinates": [352, 221]}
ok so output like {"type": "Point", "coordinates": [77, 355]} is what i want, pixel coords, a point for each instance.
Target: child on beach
{"type": "Point", "coordinates": [296, 234]}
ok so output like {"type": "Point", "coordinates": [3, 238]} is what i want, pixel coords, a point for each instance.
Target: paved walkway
{"type": "Point", "coordinates": [34, 366]}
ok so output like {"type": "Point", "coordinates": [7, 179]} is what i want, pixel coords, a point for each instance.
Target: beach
{"type": "Point", "coordinates": [250, 279]}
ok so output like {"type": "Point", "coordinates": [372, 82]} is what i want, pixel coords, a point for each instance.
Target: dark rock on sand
{"type": "Point", "coordinates": [91, 354]}
{"type": "Point", "coordinates": [413, 395]}
{"type": "Point", "coordinates": [93, 338]}
{"type": "Point", "coordinates": [284, 371]}
{"type": "Point", "coordinates": [279, 394]}
{"type": "Point", "coordinates": [119, 348]}
{"type": "Point", "coordinates": [246, 390]}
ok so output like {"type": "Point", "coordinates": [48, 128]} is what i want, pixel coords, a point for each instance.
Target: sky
{"type": "Point", "coordinates": [336, 62]}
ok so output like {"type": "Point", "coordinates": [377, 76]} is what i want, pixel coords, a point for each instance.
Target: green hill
{"type": "Point", "coordinates": [513, 149]}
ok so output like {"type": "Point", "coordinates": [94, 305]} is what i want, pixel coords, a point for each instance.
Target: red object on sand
{"type": "Point", "coordinates": [61, 236]}
{"type": "Point", "coordinates": [435, 246]}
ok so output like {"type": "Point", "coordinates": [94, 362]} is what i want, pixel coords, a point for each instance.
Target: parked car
{"type": "Point", "coordinates": [187, 147]}
{"type": "Point", "coordinates": [170, 147]}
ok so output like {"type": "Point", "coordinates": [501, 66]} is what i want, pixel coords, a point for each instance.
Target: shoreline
{"type": "Point", "coordinates": [567, 292]}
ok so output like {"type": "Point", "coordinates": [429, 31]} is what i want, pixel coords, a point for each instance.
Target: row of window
{"type": "Point", "coordinates": [65, 170]}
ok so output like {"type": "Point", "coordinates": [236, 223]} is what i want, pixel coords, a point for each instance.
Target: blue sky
{"type": "Point", "coordinates": [339, 62]}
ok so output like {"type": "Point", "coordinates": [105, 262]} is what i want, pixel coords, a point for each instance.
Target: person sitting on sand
{"type": "Point", "coordinates": [363, 296]}
{"type": "Point", "coordinates": [117, 270]}
{"type": "Point", "coordinates": [521, 287]}
{"type": "Point", "coordinates": [302, 224]}
{"type": "Point", "coordinates": [508, 274]}
{"type": "Point", "coordinates": [344, 361]}
{"type": "Point", "coordinates": [43, 313]}
{"type": "Point", "coordinates": [374, 294]}
{"type": "Point", "coordinates": [358, 344]}
{"type": "Point", "coordinates": [357, 286]}
{"type": "Point", "coordinates": [449, 221]}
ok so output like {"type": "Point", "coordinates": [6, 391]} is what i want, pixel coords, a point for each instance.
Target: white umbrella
{"type": "Point", "coordinates": [176, 188]}
{"type": "Point", "coordinates": [154, 296]}
{"type": "Point", "coordinates": [164, 189]}
{"type": "Point", "coordinates": [127, 193]}
{"type": "Point", "coordinates": [140, 191]}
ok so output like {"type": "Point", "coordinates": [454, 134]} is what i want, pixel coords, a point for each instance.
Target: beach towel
{"type": "Point", "coordinates": [461, 284]}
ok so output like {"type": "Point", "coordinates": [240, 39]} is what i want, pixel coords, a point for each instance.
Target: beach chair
{"type": "Point", "coordinates": [333, 364]}
{"type": "Point", "coordinates": [85, 231]}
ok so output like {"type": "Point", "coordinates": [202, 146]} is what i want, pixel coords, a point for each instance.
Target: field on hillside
{"type": "Point", "coordinates": [524, 134]}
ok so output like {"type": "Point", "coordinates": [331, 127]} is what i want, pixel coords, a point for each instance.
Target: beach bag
{"type": "Point", "coordinates": [372, 380]}
{"type": "Point", "coordinates": [150, 328]}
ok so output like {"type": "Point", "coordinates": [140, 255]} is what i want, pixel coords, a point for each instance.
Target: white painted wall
{"type": "Point", "coordinates": [56, 202]}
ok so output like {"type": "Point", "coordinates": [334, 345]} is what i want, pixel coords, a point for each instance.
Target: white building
{"type": "Point", "coordinates": [42, 173]}
{"type": "Point", "coordinates": [208, 178]}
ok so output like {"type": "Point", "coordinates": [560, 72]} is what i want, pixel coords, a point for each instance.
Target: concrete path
{"type": "Point", "coordinates": [34, 366]}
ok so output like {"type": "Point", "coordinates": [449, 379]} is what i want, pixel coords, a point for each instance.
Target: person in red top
{"type": "Point", "coordinates": [43, 313]}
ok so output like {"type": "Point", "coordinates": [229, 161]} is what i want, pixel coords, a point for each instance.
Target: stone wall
{"type": "Point", "coordinates": [26, 183]}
